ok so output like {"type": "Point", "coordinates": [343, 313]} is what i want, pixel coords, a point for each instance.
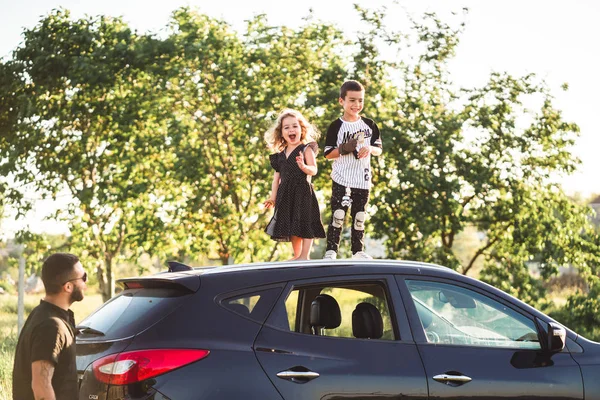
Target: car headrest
{"type": "Point", "coordinates": [367, 322]}
{"type": "Point", "coordinates": [426, 319]}
{"type": "Point", "coordinates": [325, 312]}
{"type": "Point", "coordinates": [425, 315]}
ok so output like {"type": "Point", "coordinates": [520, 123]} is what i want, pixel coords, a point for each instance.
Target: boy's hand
{"type": "Point", "coordinates": [364, 151]}
{"type": "Point", "coordinates": [270, 203]}
{"type": "Point", "coordinates": [348, 147]}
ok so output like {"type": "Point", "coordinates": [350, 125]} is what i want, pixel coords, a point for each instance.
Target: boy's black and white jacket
{"type": "Point", "coordinates": [347, 170]}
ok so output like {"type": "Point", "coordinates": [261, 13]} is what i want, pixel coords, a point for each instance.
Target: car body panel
{"type": "Point", "coordinates": [202, 323]}
{"type": "Point", "coordinates": [89, 351]}
{"type": "Point", "coordinates": [247, 352]}
{"type": "Point", "coordinates": [348, 368]}
{"type": "Point", "coordinates": [499, 373]}
{"type": "Point", "coordinates": [589, 361]}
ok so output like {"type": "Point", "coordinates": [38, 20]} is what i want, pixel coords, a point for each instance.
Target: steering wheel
{"type": "Point", "coordinates": [432, 337]}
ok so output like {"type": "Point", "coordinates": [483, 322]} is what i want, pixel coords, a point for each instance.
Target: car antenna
{"type": "Point", "coordinates": [176, 266]}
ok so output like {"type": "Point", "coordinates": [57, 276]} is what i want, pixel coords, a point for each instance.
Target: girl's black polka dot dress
{"type": "Point", "coordinates": [296, 206]}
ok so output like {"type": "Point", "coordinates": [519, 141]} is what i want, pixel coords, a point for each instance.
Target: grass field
{"type": "Point", "coordinates": [8, 331]}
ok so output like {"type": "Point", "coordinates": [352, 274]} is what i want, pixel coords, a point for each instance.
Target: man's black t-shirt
{"type": "Point", "coordinates": [48, 334]}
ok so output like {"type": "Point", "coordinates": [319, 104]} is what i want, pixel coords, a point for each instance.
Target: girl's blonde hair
{"type": "Point", "coordinates": [274, 137]}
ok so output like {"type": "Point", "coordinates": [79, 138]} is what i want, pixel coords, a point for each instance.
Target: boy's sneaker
{"type": "Point", "coordinates": [361, 255]}
{"type": "Point", "coordinates": [330, 255]}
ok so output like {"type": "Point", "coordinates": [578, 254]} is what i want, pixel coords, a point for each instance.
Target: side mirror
{"type": "Point", "coordinates": [557, 337]}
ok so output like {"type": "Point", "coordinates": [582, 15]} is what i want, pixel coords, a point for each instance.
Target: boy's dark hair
{"type": "Point", "coordinates": [350, 86]}
{"type": "Point", "coordinates": [57, 270]}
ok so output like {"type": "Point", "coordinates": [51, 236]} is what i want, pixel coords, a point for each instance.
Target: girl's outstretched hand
{"type": "Point", "coordinates": [300, 161]}
{"type": "Point", "coordinates": [269, 203]}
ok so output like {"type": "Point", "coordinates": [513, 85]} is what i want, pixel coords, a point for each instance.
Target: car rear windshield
{"type": "Point", "coordinates": [131, 312]}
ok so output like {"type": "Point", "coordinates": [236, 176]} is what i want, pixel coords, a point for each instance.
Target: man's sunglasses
{"type": "Point", "coordinates": [83, 278]}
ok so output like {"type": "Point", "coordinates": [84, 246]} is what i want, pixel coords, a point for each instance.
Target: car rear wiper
{"type": "Point", "coordinates": [89, 331]}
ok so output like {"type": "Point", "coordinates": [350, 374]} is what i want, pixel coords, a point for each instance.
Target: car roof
{"type": "Point", "coordinates": [288, 270]}
{"type": "Point", "coordinates": [319, 264]}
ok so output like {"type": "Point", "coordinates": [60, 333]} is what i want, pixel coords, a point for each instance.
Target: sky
{"type": "Point", "coordinates": [557, 40]}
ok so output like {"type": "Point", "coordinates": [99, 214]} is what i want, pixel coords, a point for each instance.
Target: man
{"type": "Point", "coordinates": [45, 358]}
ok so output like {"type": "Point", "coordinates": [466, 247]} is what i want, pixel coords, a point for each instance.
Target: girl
{"type": "Point", "coordinates": [297, 217]}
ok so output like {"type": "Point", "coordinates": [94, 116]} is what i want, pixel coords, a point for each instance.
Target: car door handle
{"type": "Point", "coordinates": [452, 380]}
{"type": "Point", "coordinates": [298, 376]}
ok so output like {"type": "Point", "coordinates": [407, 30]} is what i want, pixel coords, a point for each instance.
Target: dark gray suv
{"type": "Point", "coordinates": [327, 330]}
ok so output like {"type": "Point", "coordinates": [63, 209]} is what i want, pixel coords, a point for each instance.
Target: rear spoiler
{"type": "Point", "coordinates": [185, 282]}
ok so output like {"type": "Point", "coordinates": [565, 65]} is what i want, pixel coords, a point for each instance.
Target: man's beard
{"type": "Point", "coordinates": [76, 295]}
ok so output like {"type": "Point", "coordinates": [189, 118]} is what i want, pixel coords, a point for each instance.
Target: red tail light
{"type": "Point", "coordinates": [136, 366]}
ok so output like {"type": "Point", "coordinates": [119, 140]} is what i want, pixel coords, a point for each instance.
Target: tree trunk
{"type": "Point", "coordinates": [106, 280]}
{"type": "Point", "coordinates": [110, 281]}
{"type": "Point", "coordinates": [225, 256]}
{"type": "Point", "coordinates": [273, 251]}
{"type": "Point", "coordinates": [21, 300]}
{"type": "Point", "coordinates": [101, 278]}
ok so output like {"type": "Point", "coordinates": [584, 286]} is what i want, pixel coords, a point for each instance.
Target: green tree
{"type": "Point", "coordinates": [457, 158]}
{"type": "Point", "coordinates": [35, 248]}
{"type": "Point", "coordinates": [2, 260]}
{"type": "Point", "coordinates": [227, 90]}
{"type": "Point", "coordinates": [157, 142]}
{"type": "Point", "coordinates": [1, 211]}
{"type": "Point", "coordinates": [582, 310]}
{"type": "Point", "coordinates": [87, 118]}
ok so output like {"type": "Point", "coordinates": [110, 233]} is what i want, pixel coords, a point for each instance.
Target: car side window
{"type": "Point", "coordinates": [454, 315]}
{"type": "Point", "coordinates": [255, 305]}
{"type": "Point", "coordinates": [357, 310]}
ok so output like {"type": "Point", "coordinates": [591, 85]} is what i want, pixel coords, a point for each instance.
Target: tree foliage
{"type": "Point", "coordinates": [158, 142]}
{"type": "Point", "coordinates": [88, 120]}
{"type": "Point", "coordinates": [480, 157]}
{"type": "Point", "coordinates": [227, 90]}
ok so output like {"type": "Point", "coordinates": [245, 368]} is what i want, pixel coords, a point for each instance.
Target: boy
{"type": "Point", "coordinates": [350, 142]}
